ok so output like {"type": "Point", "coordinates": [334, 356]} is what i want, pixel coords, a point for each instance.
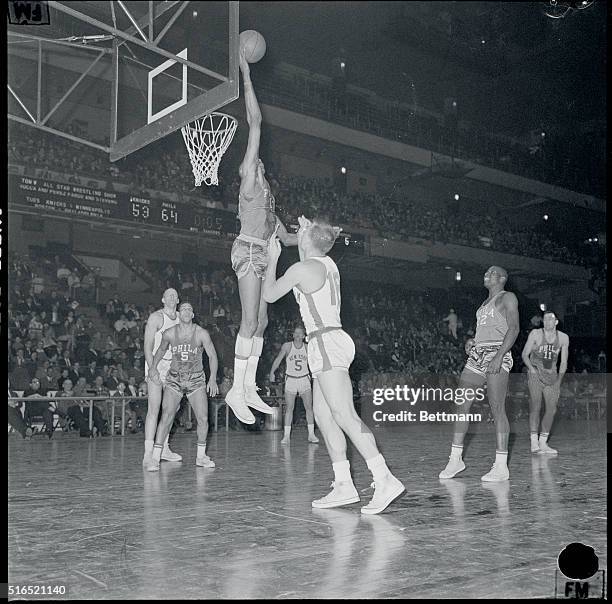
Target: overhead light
{"type": "Point", "coordinates": [195, 13]}
{"type": "Point", "coordinates": [343, 170]}
{"type": "Point", "coordinates": [483, 41]}
{"type": "Point", "coordinates": [448, 268]}
{"type": "Point", "coordinates": [458, 276]}
{"type": "Point", "coordinates": [456, 196]}
{"type": "Point", "coordinates": [543, 307]}
{"type": "Point", "coordinates": [545, 216]}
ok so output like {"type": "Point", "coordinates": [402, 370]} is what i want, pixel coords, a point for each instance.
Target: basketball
{"type": "Point", "coordinates": [254, 45]}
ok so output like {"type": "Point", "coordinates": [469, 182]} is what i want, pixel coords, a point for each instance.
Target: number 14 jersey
{"type": "Point", "coordinates": [321, 308]}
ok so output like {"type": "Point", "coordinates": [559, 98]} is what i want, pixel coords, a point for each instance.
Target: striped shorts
{"type": "Point", "coordinates": [330, 350]}
{"type": "Point", "coordinates": [480, 357]}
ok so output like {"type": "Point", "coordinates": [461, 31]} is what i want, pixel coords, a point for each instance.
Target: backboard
{"type": "Point", "coordinates": [119, 75]}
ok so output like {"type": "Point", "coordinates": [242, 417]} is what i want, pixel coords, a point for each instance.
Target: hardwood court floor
{"type": "Point", "coordinates": [83, 513]}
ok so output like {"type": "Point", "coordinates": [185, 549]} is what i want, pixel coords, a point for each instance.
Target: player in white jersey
{"type": "Point", "coordinates": [297, 381]}
{"type": "Point", "coordinates": [158, 322]}
{"type": "Point", "coordinates": [315, 282]}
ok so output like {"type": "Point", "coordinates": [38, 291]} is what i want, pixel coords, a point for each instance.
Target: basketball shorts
{"type": "Point", "coordinates": [185, 382]}
{"type": "Point", "coordinates": [249, 252]}
{"type": "Point", "coordinates": [163, 367]}
{"type": "Point", "coordinates": [330, 350]}
{"type": "Point", "coordinates": [297, 385]}
{"type": "Point", "coordinates": [480, 357]}
{"type": "Point", "coordinates": [537, 388]}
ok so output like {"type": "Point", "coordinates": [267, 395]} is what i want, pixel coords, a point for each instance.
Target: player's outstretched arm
{"type": "Point", "coordinates": [274, 288]}
{"type": "Point", "coordinates": [528, 349]}
{"type": "Point", "coordinates": [154, 323]}
{"type": "Point", "coordinates": [285, 237]}
{"type": "Point", "coordinates": [213, 362]}
{"type": "Point", "coordinates": [159, 355]}
{"type": "Point", "coordinates": [279, 359]}
{"type": "Point", "coordinates": [564, 341]}
{"type": "Point", "coordinates": [248, 167]}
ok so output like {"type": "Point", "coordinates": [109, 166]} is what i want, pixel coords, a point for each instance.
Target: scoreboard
{"type": "Point", "coordinates": [53, 197]}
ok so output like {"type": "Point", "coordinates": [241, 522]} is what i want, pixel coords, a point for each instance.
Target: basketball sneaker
{"type": "Point", "coordinates": [546, 450]}
{"type": "Point", "coordinates": [236, 402]}
{"type": "Point", "coordinates": [254, 400]}
{"type": "Point", "coordinates": [535, 448]}
{"type": "Point", "coordinates": [497, 473]}
{"type": "Point", "coordinates": [313, 439]}
{"type": "Point", "coordinates": [168, 455]}
{"type": "Point", "coordinates": [385, 492]}
{"type": "Point", "coordinates": [342, 493]}
{"type": "Point", "coordinates": [150, 465]}
{"type": "Point", "coordinates": [453, 467]}
{"type": "Point", "coordinates": [205, 462]}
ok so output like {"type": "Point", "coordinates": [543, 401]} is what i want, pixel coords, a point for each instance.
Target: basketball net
{"type": "Point", "coordinates": [206, 140]}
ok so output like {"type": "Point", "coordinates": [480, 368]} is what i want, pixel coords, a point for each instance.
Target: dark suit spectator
{"type": "Point", "coordinates": [15, 418]}
{"type": "Point", "coordinates": [38, 408]}
{"type": "Point", "coordinates": [113, 380]}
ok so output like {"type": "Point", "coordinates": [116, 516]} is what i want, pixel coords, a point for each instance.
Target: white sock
{"type": "Point", "coordinates": [378, 467]}
{"type": "Point", "coordinates": [501, 458]}
{"type": "Point", "coordinates": [166, 442]}
{"type": "Point", "coordinates": [201, 450]}
{"type": "Point", "coordinates": [543, 438]}
{"type": "Point", "coordinates": [251, 372]}
{"type": "Point", "coordinates": [157, 451]}
{"type": "Point", "coordinates": [287, 431]}
{"type": "Point", "coordinates": [456, 452]}
{"type": "Point", "coordinates": [311, 430]}
{"type": "Point", "coordinates": [534, 439]}
{"type": "Point", "coordinates": [342, 471]}
{"type": "Point", "coordinates": [240, 367]}
{"type": "Point", "coordinates": [149, 446]}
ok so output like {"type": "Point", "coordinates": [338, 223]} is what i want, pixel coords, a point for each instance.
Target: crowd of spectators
{"type": "Point", "coordinates": [394, 216]}
{"type": "Point", "coordinates": [52, 348]}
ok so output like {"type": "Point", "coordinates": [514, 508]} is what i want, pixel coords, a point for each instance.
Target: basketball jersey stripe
{"type": "Point", "coordinates": [321, 308]}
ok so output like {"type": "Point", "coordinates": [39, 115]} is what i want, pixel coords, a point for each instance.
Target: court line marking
{"type": "Point", "coordinates": [294, 518]}
{"type": "Point", "coordinates": [90, 578]}
{"type": "Point", "coordinates": [94, 536]}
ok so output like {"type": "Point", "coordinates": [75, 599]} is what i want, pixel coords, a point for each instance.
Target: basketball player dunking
{"type": "Point", "coordinates": [185, 342]}
{"type": "Point", "coordinates": [540, 355]}
{"type": "Point", "coordinates": [490, 361]}
{"type": "Point", "coordinates": [297, 381]}
{"type": "Point", "coordinates": [315, 282]}
{"type": "Point", "coordinates": [249, 257]}
{"type": "Point", "coordinates": [157, 324]}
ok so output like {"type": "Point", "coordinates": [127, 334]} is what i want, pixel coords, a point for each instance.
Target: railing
{"type": "Point", "coordinates": [216, 401]}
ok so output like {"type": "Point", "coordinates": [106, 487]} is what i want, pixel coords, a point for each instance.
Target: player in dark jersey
{"type": "Point", "coordinates": [489, 361]}
{"type": "Point", "coordinates": [540, 355]}
{"type": "Point", "coordinates": [186, 342]}
{"type": "Point", "coordinates": [258, 224]}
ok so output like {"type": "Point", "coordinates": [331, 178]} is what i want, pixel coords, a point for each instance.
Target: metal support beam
{"type": "Point", "coordinates": [21, 103]}
{"type": "Point", "coordinates": [79, 80]}
{"type": "Point", "coordinates": [30, 38]}
{"type": "Point", "coordinates": [170, 23]}
{"type": "Point", "coordinates": [114, 94]}
{"type": "Point", "coordinates": [152, 16]}
{"type": "Point", "coordinates": [39, 83]}
{"type": "Point", "coordinates": [129, 16]}
{"type": "Point", "coordinates": [71, 137]}
{"type": "Point", "coordinates": [144, 44]}
{"type": "Point", "coordinates": [151, 33]}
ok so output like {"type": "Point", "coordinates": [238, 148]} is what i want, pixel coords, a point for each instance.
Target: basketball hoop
{"type": "Point", "coordinates": [206, 140]}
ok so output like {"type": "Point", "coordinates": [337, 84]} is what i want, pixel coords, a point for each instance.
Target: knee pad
{"type": "Point", "coordinates": [257, 346]}
{"type": "Point", "coordinates": [243, 346]}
